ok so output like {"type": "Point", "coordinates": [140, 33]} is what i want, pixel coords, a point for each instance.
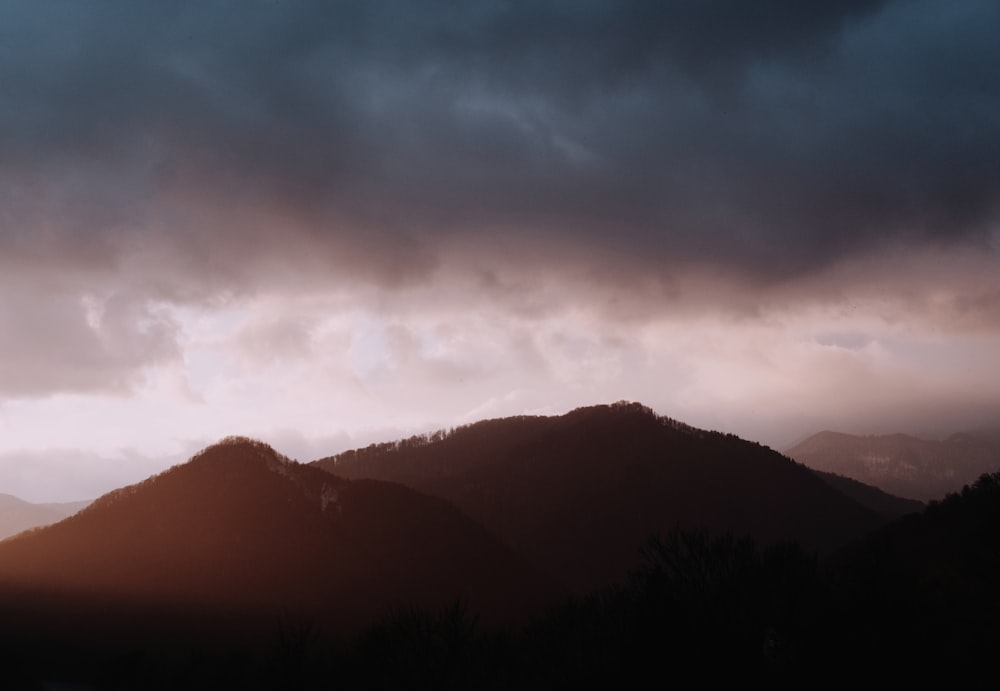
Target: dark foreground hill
{"type": "Point", "coordinates": [925, 586]}
{"type": "Point", "coordinates": [900, 464]}
{"type": "Point", "coordinates": [579, 494]}
{"type": "Point", "coordinates": [239, 538]}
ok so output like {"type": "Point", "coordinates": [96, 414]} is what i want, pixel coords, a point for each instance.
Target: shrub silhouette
{"type": "Point", "coordinates": [702, 599]}
{"type": "Point", "coordinates": [414, 648]}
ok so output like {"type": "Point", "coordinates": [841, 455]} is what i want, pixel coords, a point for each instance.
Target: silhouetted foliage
{"type": "Point", "coordinates": [721, 598]}
{"type": "Point", "coordinates": [411, 648]}
{"type": "Point", "coordinates": [925, 586]}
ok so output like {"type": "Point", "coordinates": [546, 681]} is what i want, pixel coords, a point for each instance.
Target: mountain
{"type": "Point", "coordinates": [239, 537]}
{"type": "Point", "coordinates": [871, 497]}
{"type": "Point", "coordinates": [920, 593]}
{"type": "Point", "coordinates": [579, 494]}
{"type": "Point", "coordinates": [900, 464]}
{"type": "Point", "coordinates": [17, 515]}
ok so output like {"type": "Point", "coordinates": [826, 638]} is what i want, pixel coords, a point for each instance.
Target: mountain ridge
{"type": "Point", "coordinates": [578, 493]}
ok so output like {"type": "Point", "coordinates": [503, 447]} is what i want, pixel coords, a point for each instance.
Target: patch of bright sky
{"type": "Point", "coordinates": [325, 378]}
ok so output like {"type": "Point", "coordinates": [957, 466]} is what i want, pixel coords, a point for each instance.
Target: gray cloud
{"type": "Point", "coordinates": [769, 138]}
{"type": "Point", "coordinates": [54, 342]}
{"type": "Point", "coordinates": [716, 157]}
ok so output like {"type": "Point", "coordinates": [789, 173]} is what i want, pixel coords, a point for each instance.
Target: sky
{"type": "Point", "coordinates": [327, 224]}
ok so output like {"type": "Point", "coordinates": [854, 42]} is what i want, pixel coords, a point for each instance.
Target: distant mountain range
{"type": "Point", "coordinates": [17, 515]}
{"type": "Point", "coordinates": [900, 464]}
{"type": "Point", "coordinates": [578, 494]}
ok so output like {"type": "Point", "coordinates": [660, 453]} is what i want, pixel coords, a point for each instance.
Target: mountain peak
{"type": "Point", "coordinates": [579, 492]}
{"type": "Point", "coordinates": [619, 409]}
{"type": "Point", "coordinates": [241, 528]}
{"type": "Point", "coordinates": [244, 450]}
{"type": "Point", "coordinates": [231, 456]}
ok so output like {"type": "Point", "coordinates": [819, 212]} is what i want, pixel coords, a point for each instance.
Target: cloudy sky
{"type": "Point", "coordinates": [323, 224]}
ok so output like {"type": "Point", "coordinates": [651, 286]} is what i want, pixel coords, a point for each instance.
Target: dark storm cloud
{"type": "Point", "coordinates": [771, 136]}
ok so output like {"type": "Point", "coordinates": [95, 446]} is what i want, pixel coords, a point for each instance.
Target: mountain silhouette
{"type": "Point", "coordinates": [240, 534]}
{"type": "Point", "coordinates": [925, 586]}
{"type": "Point", "coordinates": [578, 494]}
{"type": "Point", "coordinates": [871, 497]}
{"type": "Point", "coordinates": [901, 464]}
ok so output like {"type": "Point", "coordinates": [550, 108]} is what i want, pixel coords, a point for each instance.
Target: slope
{"type": "Point", "coordinates": [924, 587]}
{"type": "Point", "coordinates": [871, 497]}
{"type": "Point", "coordinates": [579, 494]}
{"type": "Point", "coordinates": [241, 534]}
